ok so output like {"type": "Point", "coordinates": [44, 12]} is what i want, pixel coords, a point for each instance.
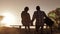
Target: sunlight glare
{"type": "Point", "coordinates": [9, 19]}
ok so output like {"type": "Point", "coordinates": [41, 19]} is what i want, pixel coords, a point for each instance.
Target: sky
{"type": "Point", "coordinates": [12, 9]}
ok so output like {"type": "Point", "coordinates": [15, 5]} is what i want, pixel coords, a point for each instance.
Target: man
{"type": "Point", "coordinates": [39, 16]}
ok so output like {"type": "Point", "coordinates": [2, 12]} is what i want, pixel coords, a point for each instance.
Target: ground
{"type": "Point", "coordinates": [7, 30]}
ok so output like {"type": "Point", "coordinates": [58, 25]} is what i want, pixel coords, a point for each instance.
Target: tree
{"type": "Point", "coordinates": [55, 16]}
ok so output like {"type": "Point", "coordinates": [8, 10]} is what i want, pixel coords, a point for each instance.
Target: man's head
{"type": "Point", "coordinates": [37, 8]}
{"type": "Point", "coordinates": [26, 9]}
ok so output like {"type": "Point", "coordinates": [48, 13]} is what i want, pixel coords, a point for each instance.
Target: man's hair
{"type": "Point", "coordinates": [38, 7]}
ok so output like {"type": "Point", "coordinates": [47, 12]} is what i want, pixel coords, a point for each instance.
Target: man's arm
{"type": "Point", "coordinates": [33, 18]}
{"type": "Point", "coordinates": [44, 15]}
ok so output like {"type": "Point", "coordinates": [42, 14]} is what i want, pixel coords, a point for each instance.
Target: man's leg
{"type": "Point", "coordinates": [41, 29]}
{"type": "Point", "coordinates": [37, 28]}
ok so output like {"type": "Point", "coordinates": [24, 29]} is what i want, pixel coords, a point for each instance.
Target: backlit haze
{"type": "Point", "coordinates": [11, 9]}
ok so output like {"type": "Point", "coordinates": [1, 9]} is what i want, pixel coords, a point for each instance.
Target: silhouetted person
{"type": "Point", "coordinates": [26, 21]}
{"type": "Point", "coordinates": [39, 16]}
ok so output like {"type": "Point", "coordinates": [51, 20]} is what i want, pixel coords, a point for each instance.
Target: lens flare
{"type": "Point", "coordinates": [9, 19]}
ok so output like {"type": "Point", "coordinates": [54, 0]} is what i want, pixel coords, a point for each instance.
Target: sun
{"type": "Point", "coordinates": [9, 19]}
